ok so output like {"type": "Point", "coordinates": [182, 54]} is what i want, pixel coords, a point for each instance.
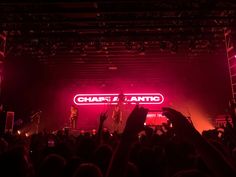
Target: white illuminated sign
{"type": "Point", "coordinates": [129, 98]}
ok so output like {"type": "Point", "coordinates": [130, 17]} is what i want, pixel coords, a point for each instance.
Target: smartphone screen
{"type": "Point", "coordinates": [155, 118]}
{"type": "Point", "coordinates": [51, 143]}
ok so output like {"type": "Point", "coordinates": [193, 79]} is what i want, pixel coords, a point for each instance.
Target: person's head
{"type": "Point", "coordinates": [88, 170]}
{"type": "Point", "coordinates": [132, 170]}
{"type": "Point", "coordinates": [73, 108]}
{"type": "Point", "coordinates": [15, 163]}
{"type": "Point", "coordinates": [190, 173]}
{"type": "Point", "coordinates": [52, 166]}
{"type": "Point", "coordinates": [71, 166]}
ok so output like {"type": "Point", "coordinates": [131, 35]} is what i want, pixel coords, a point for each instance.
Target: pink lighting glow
{"type": "Point", "coordinates": [112, 99]}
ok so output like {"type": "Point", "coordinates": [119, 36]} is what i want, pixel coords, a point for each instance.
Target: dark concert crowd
{"type": "Point", "coordinates": [115, 63]}
{"type": "Point", "coordinates": [175, 149]}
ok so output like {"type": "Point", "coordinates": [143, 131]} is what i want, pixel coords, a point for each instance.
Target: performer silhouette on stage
{"type": "Point", "coordinates": [117, 114]}
{"type": "Point", "coordinates": [121, 98]}
{"type": "Point", "coordinates": [117, 118]}
{"type": "Point", "coordinates": [73, 116]}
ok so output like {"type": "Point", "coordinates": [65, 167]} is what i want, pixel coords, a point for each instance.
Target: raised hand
{"type": "Point", "coordinates": [135, 121]}
{"type": "Point", "coordinates": [181, 124]}
{"type": "Point", "coordinates": [210, 155]}
{"type": "Point", "coordinates": [103, 117]}
{"type": "Point", "coordinates": [134, 124]}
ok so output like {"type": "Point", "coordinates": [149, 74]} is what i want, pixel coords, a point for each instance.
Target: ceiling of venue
{"type": "Point", "coordinates": [95, 39]}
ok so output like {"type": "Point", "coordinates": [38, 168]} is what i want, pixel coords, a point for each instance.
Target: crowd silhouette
{"type": "Point", "coordinates": [178, 151]}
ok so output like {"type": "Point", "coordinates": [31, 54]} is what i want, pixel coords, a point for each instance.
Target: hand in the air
{"type": "Point", "coordinates": [182, 126]}
{"type": "Point", "coordinates": [135, 121]}
{"type": "Point", "coordinates": [103, 117]}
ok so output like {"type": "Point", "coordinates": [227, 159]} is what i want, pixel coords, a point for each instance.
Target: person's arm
{"type": "Point", "coordinates": [121, 117]}
{"type": "Point", "coordinates": [102, 119]}
{"type": "Point", "coordinates": [134, 124]}
{"type": "Point", "coordinates": [214, 159]}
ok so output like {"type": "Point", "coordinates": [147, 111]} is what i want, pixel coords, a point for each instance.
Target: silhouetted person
{"type": "Point", "coordinates": [74, 113]}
